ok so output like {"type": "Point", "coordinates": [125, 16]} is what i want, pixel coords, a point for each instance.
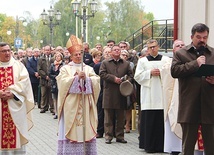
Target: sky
{"type": "Point", "coordinates": [162, 9]}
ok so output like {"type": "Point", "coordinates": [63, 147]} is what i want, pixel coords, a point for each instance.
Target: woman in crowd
{"type": "Point", "coordinates": [97, 55]}
{"type": "Point", "coordinates": [53, 72]}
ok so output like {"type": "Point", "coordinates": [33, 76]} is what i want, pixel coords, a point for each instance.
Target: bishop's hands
{"type": "Point", "coordinates": [201, 60]}
{"type": "Point", "coordinates": [82, 75]}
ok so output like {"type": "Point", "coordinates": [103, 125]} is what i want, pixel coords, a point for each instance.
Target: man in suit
{"type": "Point", "coordinates": [43, 69]}
{"type": "Point", "coordinates": [26, 59]}
{"type": "Point", "coordinates": [87, 58]}
{"type": "Point", "coordinates": [196, 108]}
{"type": "Point", "coordinates": [111, 72]}
{"type": "Point", "coordinates": [33, 74]}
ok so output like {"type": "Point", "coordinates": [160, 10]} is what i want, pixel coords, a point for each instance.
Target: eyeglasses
{"type": "Point", "coordinates": [5, 51]}
{"type": "Point", "coordinates": [151, 47]}
{"type": "Point", "coordinates": [179, 45]}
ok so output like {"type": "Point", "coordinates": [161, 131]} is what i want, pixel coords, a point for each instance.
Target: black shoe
{"type": "Point", "coordinates": [174, 153]}
{"type": "Point", "coordinates": [99, 136]}
{"type": "Point", "coordinates": [150, 151]}
{"type": "Point", "coordinates": [43, 111]}
{"type": "Point", "coordinates": [108, 141]}
{"type": "Point", "coordinates": [55, 117]}
{"type": "Point", "coordinates": [121, 141]}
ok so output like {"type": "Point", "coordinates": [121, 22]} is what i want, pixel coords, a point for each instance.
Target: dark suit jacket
{"type": "Point", "coordinates": [32, 68]}
{"type": "Point", "coordinates": [43, 70]}
{"type": "Point", "coordinates": [196, 95]}
{"type": "Point", "coordinates": [112, 98]}
{"type": "Point", "coordinates": [25, 61]}
{"type": "Point", "coordinates": [87, 58]}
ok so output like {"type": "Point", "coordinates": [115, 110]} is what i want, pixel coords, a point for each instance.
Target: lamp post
{"type": "Point", "coordinates": [24, 23]}
{"type": "Point", "coordinates": [17, 24]}
{"type": "Point", "coordinates": [84, 5]}
{"type": "Point", "coordinates": [51, 23]}
{"type": "Point", "coordinates": [18, 40]}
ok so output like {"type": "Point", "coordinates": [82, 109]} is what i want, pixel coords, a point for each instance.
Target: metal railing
{"type": "Point", "coordinates": [161, 30]}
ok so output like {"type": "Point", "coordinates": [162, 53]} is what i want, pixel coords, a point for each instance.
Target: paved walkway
{"type": "Point", "coordinates": [43, 139]}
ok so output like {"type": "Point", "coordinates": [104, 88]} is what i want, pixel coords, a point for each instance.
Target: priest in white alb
{"type": "Point", "coordinates": [16, 103]}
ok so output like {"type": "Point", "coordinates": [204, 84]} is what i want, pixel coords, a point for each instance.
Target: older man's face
{"type": "Point", "coordinates": [178, 45]}
{"type": "Point", "coordinates": [76, 57]}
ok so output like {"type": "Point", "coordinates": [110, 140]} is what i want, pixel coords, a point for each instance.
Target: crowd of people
{"type": "Point", "coordinates": [92, 91]}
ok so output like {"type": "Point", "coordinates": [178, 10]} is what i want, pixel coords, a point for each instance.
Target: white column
{"type": "Point", "coordinates": [76, 26]}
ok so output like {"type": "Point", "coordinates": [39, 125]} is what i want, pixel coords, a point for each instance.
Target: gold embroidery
{"type": "Point", "coordinates": [8, 127]}
{"type": "Point", "coordinates": [200, 139]}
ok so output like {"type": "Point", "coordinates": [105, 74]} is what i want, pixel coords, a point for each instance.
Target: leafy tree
{"type": "Point", "coordinates": [126, 16]}
{"type": "Point", "coordinates": [7, 24]}
{"type": "Point", "coordinates": [117, 21]}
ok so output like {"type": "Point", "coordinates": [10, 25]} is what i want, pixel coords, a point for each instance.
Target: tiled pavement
{"type": "Point", "coordinates": [43, 139]}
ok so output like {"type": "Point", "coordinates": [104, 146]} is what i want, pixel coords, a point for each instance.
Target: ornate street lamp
{"type": "Point", "coordinates": [48, 19]}
{"type": "Point", "coordinates": [18, 40]}
{"type": "Point", "coordinates": [84, 5]}
{"type": "Point", "coordinates": [24, 23]}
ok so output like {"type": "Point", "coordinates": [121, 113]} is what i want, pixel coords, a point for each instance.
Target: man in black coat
{"type": "Point", "coordinates": [87, 58]}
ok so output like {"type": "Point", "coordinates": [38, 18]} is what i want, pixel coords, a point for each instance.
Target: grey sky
{"type": "Point", "coordinates": [162, 9]}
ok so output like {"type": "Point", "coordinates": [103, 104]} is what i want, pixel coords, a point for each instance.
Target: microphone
{"type": "Point", "coordinates": [201, 50]}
